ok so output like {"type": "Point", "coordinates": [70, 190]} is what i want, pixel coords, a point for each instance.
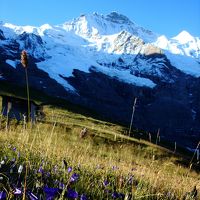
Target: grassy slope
{"type": "Point", "coordinates": [156, 170]}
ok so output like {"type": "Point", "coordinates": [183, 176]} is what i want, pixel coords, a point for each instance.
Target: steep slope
{"type": "Point", "coordinates": [103, 62]}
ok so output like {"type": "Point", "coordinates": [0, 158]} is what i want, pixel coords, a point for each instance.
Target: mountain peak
{"type": "Point", "coordinates": [184, 37]}
{"type": "Point", "coordinates": [118, 18]}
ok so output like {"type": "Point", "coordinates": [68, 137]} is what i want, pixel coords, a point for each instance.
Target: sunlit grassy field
{"type": "Point", "coordinates": [51, 161]}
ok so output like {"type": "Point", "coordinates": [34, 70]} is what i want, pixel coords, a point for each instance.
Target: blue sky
{"type": "Point", "coordinates": [167, 17]}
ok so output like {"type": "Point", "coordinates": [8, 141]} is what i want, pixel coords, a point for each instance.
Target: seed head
{"type": "Point", "coordinates": [24, 59]}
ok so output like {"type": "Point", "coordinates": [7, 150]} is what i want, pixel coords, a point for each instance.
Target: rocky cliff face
{"type": "Point", "coordinates": [104, 62]}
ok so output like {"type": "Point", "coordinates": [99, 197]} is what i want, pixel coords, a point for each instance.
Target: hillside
{"type": "Point", "coordinates": [51, 161]}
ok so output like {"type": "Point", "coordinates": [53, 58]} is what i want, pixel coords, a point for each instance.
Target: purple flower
{"type": "Point", "coordinates": [74, 177]}
{"type": "Point", "coordinates": [14, 148]}
{"type": "Point", "coordinates": [48, 174]}
{"type": "Point", "coordinates": [61, 185]}
{"type": "Point", "coordinates": [17, 191]}
{"type": "Point", "coordinates": [40, 170]}
{"type": "Point", "coordinates": [69, 169]}
{"type": "Point", "coordinates": [2, 195]}
{"type": "Point", "coordinates": [105, 183]}
{"type": "Point", "coordinates": [50, 192]}
{"type": "Point", "coordinates": [72, 194]}
{"type": "Point", "coordinates": [116, 195]}
{"type": "Point", "coordinates": [83, 197]}
{"type": "Point", "coordinates": [121, 195]}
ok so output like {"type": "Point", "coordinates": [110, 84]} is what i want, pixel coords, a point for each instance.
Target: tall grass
{"type": "Point", "coordinates": [105, 168]}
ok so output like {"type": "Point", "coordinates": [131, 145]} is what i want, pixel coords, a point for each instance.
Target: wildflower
{"type": "Point", "coordinates": [61, 185]}
{"type": "Point", "coordinates": [20, 169]}
{"type": "Point", "coordinates": [83, 197]}
{"type": "Point", "coordinates": [116, 195]}
{"type": "Point", "coordinates": [50, 193]}
{"type": "Point", "coordinates": [69, 169]}
{"type": "Point", "coordinates": [48, 174]}
{"type": "Point", "coordinates": [17, 191]}
{"type": "Point", "coordinates": [74, 177]}
{"type": "Point", "coordinates": [40, 170]}
{"type": "Point", "coordinates": [14, 148]}
{"type": "Point", "coordinates": [121, 195]}
{"type": "Point", "coordinates": [105, 183]}
{"type": "Point", "coordinates": [72, 194]}
{"type": "Point", "coordinates": [2, 195]}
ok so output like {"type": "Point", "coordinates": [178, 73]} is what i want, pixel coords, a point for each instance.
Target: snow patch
{"type": "Point", "coordinates": [11, 63]}
{"type": "Point", "coordinates": [184, 63]}
{"type": "Point", "coordinates": [125, 76]}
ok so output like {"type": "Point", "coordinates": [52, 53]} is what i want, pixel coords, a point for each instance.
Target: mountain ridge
{"type": "Point", "coordinates": [103, 61]}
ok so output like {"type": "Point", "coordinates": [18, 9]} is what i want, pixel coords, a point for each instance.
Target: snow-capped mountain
{"type": "Point", "coordinates": [109, 54]}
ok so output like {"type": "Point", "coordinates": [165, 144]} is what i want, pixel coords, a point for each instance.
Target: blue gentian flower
{"type": "Point", "coordinates": [72, 194]}
{"type": "Point", "coordinates": [105, 183]}
{"type": "Point", "coordinates": [83, 197]}
{"type": "Point", "coordinates": [74, 177]}
{"type": "Point", "coordinates": [69, 169]}
{"type": "Point", "coordinates": [17, 191]}
{"type": "Point", "coordinates": [61, 185]}
{"type": "Point", "coordinates": [121, 195]}
{"type": "Point", "coordinates": [115, 195]}
{"type": "Point", "coordinates": [40, 170]}
{"type": "Point", "coordinates": [2, 195]}
{"type": "Point", "coordinates": [50, 192]}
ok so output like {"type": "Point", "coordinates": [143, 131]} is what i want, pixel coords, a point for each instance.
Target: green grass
{"type": "Point", "coordinates": [106, 153]}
